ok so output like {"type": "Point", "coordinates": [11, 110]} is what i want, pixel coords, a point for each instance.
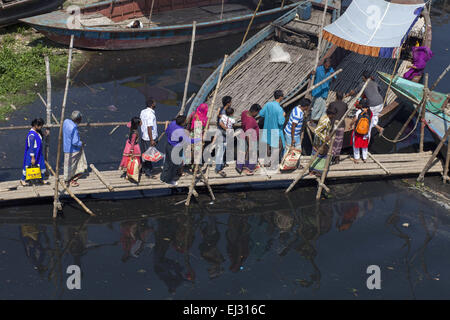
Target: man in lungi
{"type": "Point", "coordinates": [341, 108]}
{"type": "Point", "coordinates": [75, 163]}
{"type": "Point", "coordinates": [320, 94]}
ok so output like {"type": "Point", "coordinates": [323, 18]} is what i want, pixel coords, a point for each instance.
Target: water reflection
{"type": "Point", "coordinates": [292, 242]}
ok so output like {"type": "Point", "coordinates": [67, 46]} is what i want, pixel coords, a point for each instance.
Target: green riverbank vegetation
{"type": "Point", "coordinates": [22, 66]}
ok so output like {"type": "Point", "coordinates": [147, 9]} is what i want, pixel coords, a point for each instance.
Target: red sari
{"type": "Point", "coordinates": [131, 149]}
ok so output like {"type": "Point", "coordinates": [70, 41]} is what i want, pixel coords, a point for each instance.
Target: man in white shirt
{"type": "Point", "coordinates": [149, 131]}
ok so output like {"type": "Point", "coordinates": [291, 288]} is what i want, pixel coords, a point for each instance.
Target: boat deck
{"type": "Point", "coordinates": [311, 26]}
{"type": "Point", "coordinates": [397, 164]}
{"type": "Point", "coordinates": [170, 18]}
{"type": "Point", "coordinates": [255, 79]}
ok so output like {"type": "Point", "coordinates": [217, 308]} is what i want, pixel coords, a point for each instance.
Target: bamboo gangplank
{"type": "Point", "coordinates": [70, 192]}
{"type": "Point", "coordinates": [378, 163]}
{"type": "Point", "coordinates": [400, 164]}
{"type": "Point", "coordinates": [101, 178]}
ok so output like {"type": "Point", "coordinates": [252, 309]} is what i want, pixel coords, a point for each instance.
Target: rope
{"type": "Point", "coordinates": [408, 135]}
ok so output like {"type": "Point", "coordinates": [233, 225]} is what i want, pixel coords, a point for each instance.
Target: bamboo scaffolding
{"type": "Point", "coordinates": [210, 113]}
{"type": "Point", "coordinates": [101, 178]}
{"type": "Point", "coordinates": [351, 107]}
{"type": "Point", "coordinates": [327, 167]}
{"type": "Point", "coordinates": [63, 108]}
{"type": "Point", "coordinates": [430, 160]}
{"type": "Point", "coordinates": [63, 185]}
{"type": "Point", "coordinates": [188, 75]}
{"type": "Point", "coordinates": [423, 111]}
{"type": "Point", "coordinates": [251, 22]}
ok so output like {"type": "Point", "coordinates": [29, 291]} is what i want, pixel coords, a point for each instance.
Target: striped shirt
{"type": "Point", "coordinates": [295, 117]}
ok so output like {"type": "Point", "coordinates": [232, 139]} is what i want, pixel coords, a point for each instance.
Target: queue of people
{"type": "Point", "coordinates": [281, 133]}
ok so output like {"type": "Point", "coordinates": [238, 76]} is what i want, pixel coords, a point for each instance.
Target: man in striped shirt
{"type": "Point", "coordinates": [293, 129]}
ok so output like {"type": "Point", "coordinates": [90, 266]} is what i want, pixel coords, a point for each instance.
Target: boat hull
{"type": "Point", "coordinates": [103, 39]}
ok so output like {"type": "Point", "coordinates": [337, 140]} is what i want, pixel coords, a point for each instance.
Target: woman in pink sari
{"type": "Point", "coordinates": [200, 114]}
{"type": "Point", "coordinates": [132, 148]}
{"type": "Point", "coordinates": [421, 55]}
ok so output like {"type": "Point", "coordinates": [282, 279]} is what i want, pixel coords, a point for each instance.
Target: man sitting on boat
{"type": "Point", "coordinates": [374, 98]}
{"type": "Point", "coordinates": [320, 94]}
{"type": "Point", "coordinates": [136, 24]}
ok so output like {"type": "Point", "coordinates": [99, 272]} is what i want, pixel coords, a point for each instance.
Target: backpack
{"type": "Point", "coordinates": [363, 124]}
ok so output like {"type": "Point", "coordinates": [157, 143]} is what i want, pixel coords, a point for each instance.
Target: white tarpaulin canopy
{"type": "Point", "coordinates": [373, 27]}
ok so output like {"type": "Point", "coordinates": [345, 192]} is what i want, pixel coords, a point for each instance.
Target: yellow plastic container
{"type": "Point", "coordinates": [33, 173]}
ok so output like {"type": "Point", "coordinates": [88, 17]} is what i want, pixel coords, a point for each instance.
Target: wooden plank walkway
{"type": "Point", "coordinates": [398, 164]}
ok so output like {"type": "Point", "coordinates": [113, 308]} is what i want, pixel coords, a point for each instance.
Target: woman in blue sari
{"type": "Point", "coordinates": [34, 155]}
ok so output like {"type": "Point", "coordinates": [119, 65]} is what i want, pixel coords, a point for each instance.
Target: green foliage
{"type": "Point", "coordinates": [21, 69]}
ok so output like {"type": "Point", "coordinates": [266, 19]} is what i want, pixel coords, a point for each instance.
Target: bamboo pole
{"type": "Point", "coordinates": [187, 102]}
{"type": "Point", "coordinates": [447, 161]}
{"type": "Point", "coordinates": [63, 185]}
{"type": "Point", "coordinates": [379, 163]}
{"type": "Point", "coordinates": [210, 113]}
{"type": "Point", "coordinates": [101, 178]}
{"type": "Point", "coordinates": [251, 21]}
{"type": "Point", "coordinates": [188, 75]}
{"type": "Point", "coordinates": [151, 12]}
{"type": "Point", "coordinates": [440, 78]}
{"type": "Point", "coordinates": [49, 89]}
{"type": "Point", "coordinates": [301, 95]}
{"type": "Point", "coordinates": [422, 115]}
{"type": "Point", "coordinates": [321, 184]}
{"type": "Point", "coordinates": [327, 167]}
{"type": "Point", "coordinates": [319, 43]}
{"type": "Point", "coordinates": [63, 108]}
{"type": "Point", "coordinates": [85, 124]}
{"type": "Point", "coordinates": [52, 114]}
{"type": "Point", "coordinates": [350, 108]}
{"type": "Point", "coordinates": [430, 160]}
{"type": "Point", "coordinates": [394, 71]}
{"type": "Point", "coordinates": [405, 125]}
{"type": "Point", "coordinates": [221, 11]}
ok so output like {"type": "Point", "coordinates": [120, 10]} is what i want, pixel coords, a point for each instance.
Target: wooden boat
{"type": "Point", "coordinates": [13, 10]}
{"type": "Point", "coordinates": [437, 113]}
{"type": "Point", "coordinates": [249, 76]}
{"type": "Point", "coordinates": [104, 25]}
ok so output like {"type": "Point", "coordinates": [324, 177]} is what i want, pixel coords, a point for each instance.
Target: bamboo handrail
{"type": "Point", "coordinates": [188, 75]}
{"type": "Point", "coordinates": [251, 21]}
{"type": "Point", "coordinates": [85, 124]}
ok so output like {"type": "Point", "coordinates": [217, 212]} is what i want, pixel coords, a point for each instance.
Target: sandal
{"type": "Point", "coordinates": [222, 173]}
{"type": "Point", "coordinates": [73, 183]}
{"type": "Point", "coordinates": [23, 183]}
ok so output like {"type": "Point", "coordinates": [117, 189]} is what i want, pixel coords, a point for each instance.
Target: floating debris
{"type": "Point", "coordinates": [112, 108]}
{"type": "Point", "coordinates": [406, 225]}
{"type": "Point", "coordinates": [142, 271]}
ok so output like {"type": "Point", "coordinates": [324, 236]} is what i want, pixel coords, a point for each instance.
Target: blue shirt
{"type": "Point", "coordinates": [176, 134]}
{"type": "Point", "coordinates": [324, 88]}
{"type": "Point", "coordinates": [71, 137]}
{"type": "Point", "coordinates": [273, 115]}
{"type": "Point", "coordinates": [295, 117]}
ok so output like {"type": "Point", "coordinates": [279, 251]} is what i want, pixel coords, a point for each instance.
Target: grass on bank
{"type": "Point", "coordinates": [22, 66]}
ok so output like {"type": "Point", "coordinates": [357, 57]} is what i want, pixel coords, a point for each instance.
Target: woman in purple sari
{"type": "Point", "coordinates": [421, 55]}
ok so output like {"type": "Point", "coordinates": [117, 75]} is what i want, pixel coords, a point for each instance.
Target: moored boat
{"type": "Point", "coordinates": [106, 25]}
{"type": "Point", "coordinates": [13, 10]}
{"type": "Point", "coordinates": [437, 113]}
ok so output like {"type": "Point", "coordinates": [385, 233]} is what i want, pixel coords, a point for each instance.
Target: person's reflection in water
{"type": "Point", "coordinates": [284, 220]}
{"type": "Point", "coordinates": [184, 237]}
{"type": "Point", "coordinates": [32, 239]}
{"type": "Point", "coordinates": [208, 247]}
{"type": "Point", "coordinates": [169, 271]}
{"type": "Point", "coordinates": [133, 237]}
{"type": "Point", "coordinates": [349, 212]}
{"type": "Point", "coordinates": [238, 237]}
{"type": "Point", "coordinates": [77, 240]}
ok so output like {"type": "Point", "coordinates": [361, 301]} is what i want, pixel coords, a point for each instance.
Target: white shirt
{"type": "Point", "coordinates": [148, 119]}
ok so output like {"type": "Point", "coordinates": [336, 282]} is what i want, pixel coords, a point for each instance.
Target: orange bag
{"type": "Point", "coordinates": [133, 169]}
{"type": "Point", "coordinates": [363, 125]}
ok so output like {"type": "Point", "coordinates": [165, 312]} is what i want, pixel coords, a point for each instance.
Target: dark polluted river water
{"type": "Point", "coordinates": [258, 244]}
